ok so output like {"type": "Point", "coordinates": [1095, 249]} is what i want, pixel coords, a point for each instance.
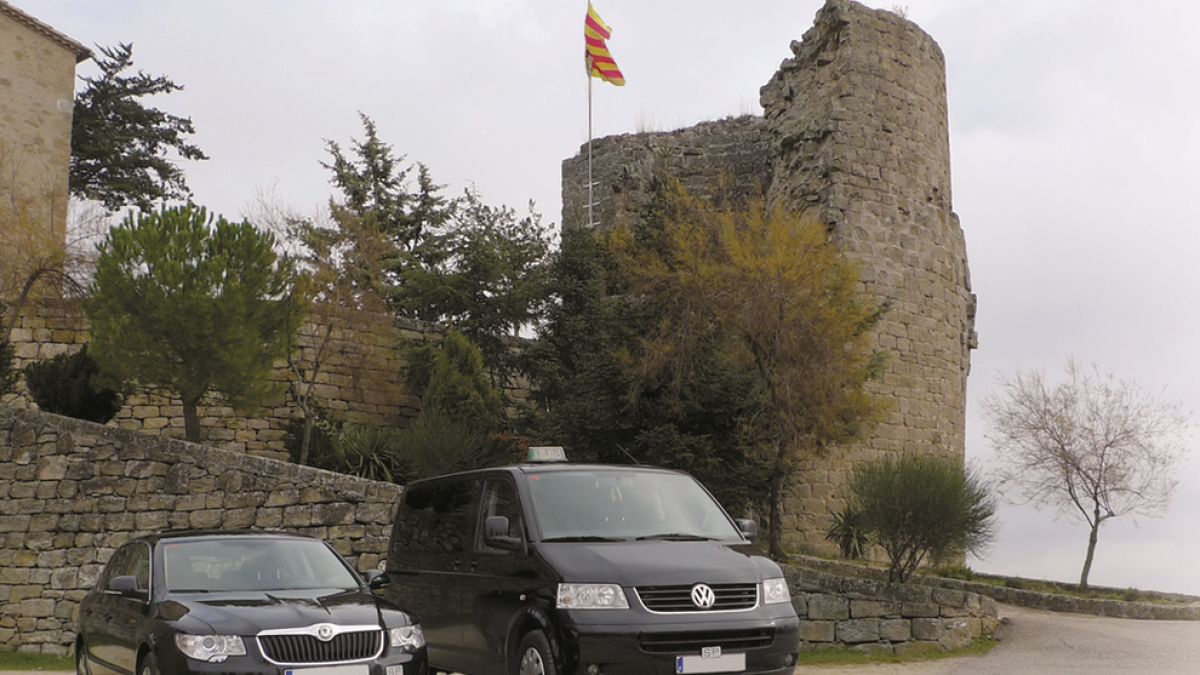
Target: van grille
{"type": "Point", "coordinates": [297, 649]}
{"type": "Point", "coordinates": [694, 641]}
{"type": "Point", "coordinates": [729, 597]}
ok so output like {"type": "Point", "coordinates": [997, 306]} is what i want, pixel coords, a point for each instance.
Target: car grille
{"type": "Point", "coordinates": [694, 641]}
{"type": "Point", "coordinates": [297, 649]}
{"type": "Point", "coordinates": [729, 597]}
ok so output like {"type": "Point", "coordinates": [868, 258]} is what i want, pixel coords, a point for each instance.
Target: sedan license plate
{"type": "Point", "coordinates": [355, 669]}
{"type": "Point", "coordinates": [722, 663]}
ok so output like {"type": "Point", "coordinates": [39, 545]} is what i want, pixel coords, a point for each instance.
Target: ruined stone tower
{"type": "Point", "coordinates": [855, 128]}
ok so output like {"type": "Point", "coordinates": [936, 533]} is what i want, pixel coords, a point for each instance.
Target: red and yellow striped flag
{"type": "Point", "coordinates": [599, 62]}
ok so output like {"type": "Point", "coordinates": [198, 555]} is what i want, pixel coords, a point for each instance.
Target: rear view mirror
{"type": "Point", "coordinates": [495, 534]}
{"type": "Point", "coordinates": [748, 527]}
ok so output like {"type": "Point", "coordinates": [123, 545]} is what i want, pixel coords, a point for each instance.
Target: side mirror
{"type": "Point", "coordinates": [748, 527]}
{"type": "Point", "coordinates": [126, 586]}
{"type": "Point", "coordinates": [376, 579]}
{"type": "Point", "coordinates": [495, 534]}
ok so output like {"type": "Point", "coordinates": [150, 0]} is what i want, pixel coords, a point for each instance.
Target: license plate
{"type": "Point", "coordinates": [725, 663]}
{"type": "Point", "coordinates": [355, 669]}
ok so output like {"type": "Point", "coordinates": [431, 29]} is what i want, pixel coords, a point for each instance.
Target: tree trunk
{"type": "Point", "coordinates": [191, 422]}
{"type": "Point", "coordinates": [776, 542]}
{"type": "Point", "coordinates": [1091, 551]}
{"type": "Point", "coordinates": [305, 439]}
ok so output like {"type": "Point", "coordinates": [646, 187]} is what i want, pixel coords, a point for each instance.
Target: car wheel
{"type": "Point", "coordinates": [149, 665]}
{"type": "Point", "coordinates": [535, 655]}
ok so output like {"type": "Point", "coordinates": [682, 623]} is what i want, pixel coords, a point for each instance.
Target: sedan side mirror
{"type": "Point", "coordinates": [495, 534]}
{"type": "Point", "coordinates": [376, 579]}
{"type": "Point", "coordinates": [748, 527]}
{"type": "Point", "coordinates": [126, 586]}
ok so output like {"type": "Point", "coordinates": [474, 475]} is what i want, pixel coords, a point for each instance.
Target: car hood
{"type": "Point", "coordinates": [247, 613]}
{"type": "Point", "coordinates": [657, 563]}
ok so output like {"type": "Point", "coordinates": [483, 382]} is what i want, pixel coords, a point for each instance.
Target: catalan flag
{"type": "Point", "coordinates": [599, 62]}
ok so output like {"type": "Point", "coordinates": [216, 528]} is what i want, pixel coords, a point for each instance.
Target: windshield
{"type": "Point", "coordinates": [253, 564]}
{"type": "Point", "coordinates": [620, 505]}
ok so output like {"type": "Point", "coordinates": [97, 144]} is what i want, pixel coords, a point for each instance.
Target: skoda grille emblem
{"type": "Point", "coordinates": [703, 596]}
{"type": "Point", "coordinates": [324, 632]}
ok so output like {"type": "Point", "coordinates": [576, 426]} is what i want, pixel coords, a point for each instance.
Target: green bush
{"type": "Point", "coordinates": [849, 532]}
{"type": "Point", "coordinates": [922, 508]}
{"type": "Point", "coordinates": [435, 444]}
{"type": "Point", "coordinates": [64, 386]}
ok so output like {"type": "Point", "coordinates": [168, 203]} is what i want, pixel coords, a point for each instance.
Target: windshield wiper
{"type": "Point", "coordinates": [581, 539]}
{"type": "Point", "coordinates": [676, 536]}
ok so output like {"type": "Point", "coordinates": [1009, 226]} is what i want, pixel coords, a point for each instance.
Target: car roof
{"type": "Point", "coordinates": [185, 535]}
{"type": "Point", "coordinates": [551, 467]}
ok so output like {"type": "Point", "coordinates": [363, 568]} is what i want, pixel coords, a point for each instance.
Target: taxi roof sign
{"type": "Point", "coordinates": [546, 453]}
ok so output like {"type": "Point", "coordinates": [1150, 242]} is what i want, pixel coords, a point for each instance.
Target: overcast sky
{"type": "Point", "coordinates": [1073, 130]}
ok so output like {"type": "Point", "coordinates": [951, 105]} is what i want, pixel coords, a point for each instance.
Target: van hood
{"type": "Point", "coordinates": [657, 563]}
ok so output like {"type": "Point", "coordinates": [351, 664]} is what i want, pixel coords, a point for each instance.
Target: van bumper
{"type": "Point", "coordinates": [770, 646]}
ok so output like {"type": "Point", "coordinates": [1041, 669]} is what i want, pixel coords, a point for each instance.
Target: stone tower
{"type": "Point", "coordinates": [855, 128]}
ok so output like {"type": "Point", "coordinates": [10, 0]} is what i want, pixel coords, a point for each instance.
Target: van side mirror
{"type": "Point", "coordinates": [495, 534]}
{"type": "Point", "coordinates": [748, 527]}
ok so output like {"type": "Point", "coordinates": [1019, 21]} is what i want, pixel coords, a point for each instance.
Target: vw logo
{"type": "Point", "coordinates": [325, 632]}
{"type": "Point", "coordinates": [703, 596]}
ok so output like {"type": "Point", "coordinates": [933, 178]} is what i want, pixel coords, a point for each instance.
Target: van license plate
{"type": "Point", "coordinates": [725, 663]}
{"type": "Point", "coordinates": [355, 669]}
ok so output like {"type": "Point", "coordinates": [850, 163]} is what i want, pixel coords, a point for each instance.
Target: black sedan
{"type": "Point", "coordinates": [241, 602]}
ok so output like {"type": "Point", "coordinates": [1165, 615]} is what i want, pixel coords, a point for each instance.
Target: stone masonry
{"type": "Point", "coordinates": [854, 129]}
{"type": "Point", "coordinates": [71, 492]}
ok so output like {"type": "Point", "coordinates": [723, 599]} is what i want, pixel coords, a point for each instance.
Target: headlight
{"type": "Point", "coordinates": [214, 648]}
{"type": "Point", "coordinates": [591, 596]}
{"type": "Point", "coordinates": [775, 591]}
{"type": "Point", "coordinates": [407, 638]}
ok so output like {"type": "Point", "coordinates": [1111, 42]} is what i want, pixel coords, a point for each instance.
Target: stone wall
{"type": "Point", "coordinates": [37, 87]}
{"type": "Point", "coordinates": [71, 492]}
{"type": "Point", "coordinates": [855, 128]}
{"type": "Point", "coordinates": [873, 616]}
{"type": "Point", "coordinates": [362, 381]}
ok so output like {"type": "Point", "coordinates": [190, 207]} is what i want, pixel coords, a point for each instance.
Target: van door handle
{"type": "Point", "coordinates": [474, 563]}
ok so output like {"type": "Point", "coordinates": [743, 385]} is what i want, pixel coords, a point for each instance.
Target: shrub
{"type": "Point", "coordinates": [919, 508]}
{"type": "Point", "coordinates": [848, 531]}
{"type": "Point", "coordinates": [436, 444]}
{"type": "Point", "coordinates": [367, 451]}
{"type": "Point", "coordinates": [63, 385]}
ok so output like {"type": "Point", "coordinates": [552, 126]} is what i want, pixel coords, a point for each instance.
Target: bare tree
{"type": "Point", "coordinates": [1092, 447]}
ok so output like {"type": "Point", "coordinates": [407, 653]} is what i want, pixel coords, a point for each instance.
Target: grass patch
{"type": "Point", "coordinates": [978, 647]}
{"type": "Point", "coordinates": [27, 661]}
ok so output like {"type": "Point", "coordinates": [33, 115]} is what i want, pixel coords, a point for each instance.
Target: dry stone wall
{"type": "Point", "coordinates": [854, 129]}
{"type": "Point", "coordinates": [72, 492]}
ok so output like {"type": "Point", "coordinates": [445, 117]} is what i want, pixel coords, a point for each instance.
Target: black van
{"type": "Point", "coordinates": [546, 568]}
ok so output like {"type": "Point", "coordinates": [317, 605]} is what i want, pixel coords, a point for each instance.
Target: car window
{"type": "Point", "coordinates": [253, 564]}
{"type": "Point", "coordinates": [499, 498]}
{"type": "Point", "coordinates": [625, 505]}
{"type": "Point", "coordinates": [437, 517]}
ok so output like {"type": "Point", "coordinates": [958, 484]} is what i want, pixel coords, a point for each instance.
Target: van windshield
{"type": "Point", "coordinates": [602, 505]}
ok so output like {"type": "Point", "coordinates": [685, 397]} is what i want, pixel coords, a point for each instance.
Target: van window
{"type": "Point", "coordinates": [436, 517]}
{"type": "Point", "coordinates": [625, 505]}
{"type": "Point", "coordinates": [499, 499]}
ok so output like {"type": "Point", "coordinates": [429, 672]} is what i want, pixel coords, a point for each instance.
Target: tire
{"type": "Point", "coordinates": [535, 657]}
{"type": "Point", "coordinates": [149, 665]}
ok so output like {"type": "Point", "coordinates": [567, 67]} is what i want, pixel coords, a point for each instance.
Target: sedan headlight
{"type": "Point", "coordinates": [213, 648]}
{"type": "Point", "coordinates": [407, 638]}
{"type": "Point", "coordinates": [775, 591]}
{"type": "Point", "coordinates": [591, 596]}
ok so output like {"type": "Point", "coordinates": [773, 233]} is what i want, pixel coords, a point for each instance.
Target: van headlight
{"type": "Point", "coordinates": [407, 638]}
{"type": "Point", "coordinates": [212, 648]}
{"type": "Point", "coordinates": [775, 591]}
{"type": "Point", "coordinates": [591, 596]}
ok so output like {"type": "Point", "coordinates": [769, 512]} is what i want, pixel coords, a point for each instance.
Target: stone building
{"type": "Point", "coordinates": [854, 128]}
{"type": "Point", "coordinates": [37, 85]}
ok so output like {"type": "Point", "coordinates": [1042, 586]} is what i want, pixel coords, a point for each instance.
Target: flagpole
{"type": "Point", "coordinates": [590, 199]}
